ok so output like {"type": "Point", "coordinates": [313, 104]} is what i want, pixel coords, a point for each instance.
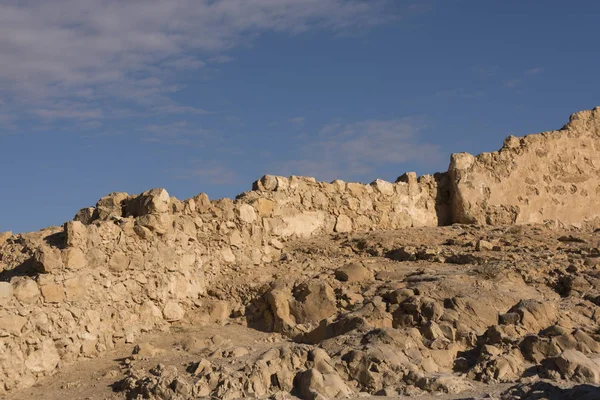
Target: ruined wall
{"type": "Point", "coordinates": [139, 263]}
{"type": "Point", "coordinates": [550, 176]}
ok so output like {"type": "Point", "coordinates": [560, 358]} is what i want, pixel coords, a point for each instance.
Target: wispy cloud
{"type": "Point", "coordinates": [217, 175]}
{"type": "Point", "coordinates": [298, 121]}
{"type": "Point", "coordinates": [67, 113]}
{"type": "Point", "coordinates": [179, 132]}
{"type": "Point", "coordinates": [529, 73]}
{"type": "Point", "coordinates": [357, 149]}
{"type": "Point", "coordinates": [99, 51]}
{"type": "Point", "coordinates": [534, 71]}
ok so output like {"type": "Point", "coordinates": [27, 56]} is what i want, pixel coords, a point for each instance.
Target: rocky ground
{"type": "Point", "coordinates": [451, 312]}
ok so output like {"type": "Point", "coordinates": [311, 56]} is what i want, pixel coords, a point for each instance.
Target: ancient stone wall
{"type": "Point", "coordinates": [139, 263]}
{"type": "Point", "coordinates": [550, 176]}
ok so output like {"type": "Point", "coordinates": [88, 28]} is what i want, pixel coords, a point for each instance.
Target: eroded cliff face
{"type": "Point", "coordinates": [550, 176]}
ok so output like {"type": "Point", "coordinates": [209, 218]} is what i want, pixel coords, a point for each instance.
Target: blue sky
{"type": "Point", "coordinates": [198, 96]}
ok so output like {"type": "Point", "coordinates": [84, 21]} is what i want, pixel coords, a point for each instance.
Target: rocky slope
{"type": "Point", "coordinates": [465, 311]}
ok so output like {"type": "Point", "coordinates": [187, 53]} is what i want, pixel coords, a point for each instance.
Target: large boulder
{"type": "Point", "coordinates": [154, 201]}
{"type": "Point", "coordinates": [576, 366]}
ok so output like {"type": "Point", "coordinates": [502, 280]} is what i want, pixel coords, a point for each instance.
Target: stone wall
{"type": "Point", "coordinates": [139, 263]}
{"type": "Point", "coordinates": [550, 176]}
{"type": "Point", "coordinates": [133, 264]}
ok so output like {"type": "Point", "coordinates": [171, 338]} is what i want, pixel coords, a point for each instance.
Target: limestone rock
{"type": "Point", "coordinates": [4, 236]}
{"type": "Point", "coordinates": [353, 272]}
{"type": "Point", "coordinates": [343, 224]}
{"type": "Point", "coordinates": [75, 234]}
{"type": "Point", "coordinates": [119, 262]}
{"type": "Point", "coordinates": [146, 349]}
{"type": "Point", "coordinates": [12, 324]}
{"type": "Point", "coordinates": [26, 290]}
{"type": "Point", "coordinates": [85, 215]}
{"type": "Point", "coordinates": [110, 206]}
{"type": "Point", "coordinates": [47, 259]}
{"type": "Point", "coordinates": [53, 293]}
{"type": "Point", "coordinates": [154, 201]}
{"type": "Point", "coordinates": [44, 359]}
{"type": "Point", "coordinates": [74, 259]}
{"type": "Point", "coordinates": [575, 365]}
{"type": "Point", "coordinates": [173, 311]}
{"type": "Point", "coordinates": [6, 292]}
{"type": "Point", "coordinates": [247, 213]}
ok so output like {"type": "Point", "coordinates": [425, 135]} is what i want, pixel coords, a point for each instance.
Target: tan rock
{"type": "Point", "coordinates": [75, 234]}
{"type": "Point", "coordinates": [383, 187]}
{"type": "Point", "coordinates": [173, 311]}
{"type": "Point", "coordinates": [343, 224]}
{"type": "Point", "coordinates": [48, 259]}
{"type": "Point", "coordinates": [53, 293]}
{"type": "Point", "coordinates": [228, 255]}
{"type": "Point", "coordinates": [264, 207]}
{"type": "Point", "coordinates": [12, 324]}
{"type": "Point", "coordinates": [44, 359]}
{"type": "Point", "coordinates": [110, 206]}
{"type": "Point", "coordinates": [159, 223]}
{"type": "Point", "coordinates": [77, 287]}
{"type": "Point", "coordinates": [26, 290]}
{"type": "Point", "coordinates": [576, 366]}
{"type": "Point", "coordinates": [353, 272]}
{"type": "Point", "coordinates": [154, 201]}
{"type": "Point", "coordinates": [73, 258]}
{"type": "Point", "coordinates": [85, 215]}
{"type": "Point", "coordinates": [6, 293]}
{"type": "Point", "coordinates": [302, 225]}
{"type": "Point", "coordinates": [247, 213]}
{"type": "Point", "coordinates": [118, 262]}
{"type": "Point", "coordinates": [147, 350]}
{"type": "Point", "coordinates": [4, 236]}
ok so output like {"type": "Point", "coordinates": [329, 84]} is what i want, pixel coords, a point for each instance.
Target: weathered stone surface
{"type": "Point", "coordinates": [73, 258]}
{"type": "Point", "coordinates": [247, 213]}
{"type": "Point", "coordinates": [110, 206]}
{"type": "Point", "coordinates": [44, 359]}
{"type": "Point", "coordinates": [173, 311]}
{"type": "Point", "coordinates": [546, 176]}
{"type": "Point", "coordinates": [353, 272]}
{"type": "Point", "coordinates": [343, 224]}
{"type": "Point", "coordinates": [4, 236]}
{"type": "Point", "coordinates": [85, 215]}
{"type": "Point", "coordinates": [6, 292]}
{"type": "Point", "coordinates": [575, 365]}
{"type": "Point", "coordinates": [47, 259]}
{"type": "Point", "coordinates": [75, 234]}
{"type": "Point", "coordinates": [119, 262]}
{"type": "Point", "coordinates": [53, 293]}
{"type": "Point", "coordinates": [12, 324]}
{"type": "Point", "coordinates": [26, 290]}
{"type": "Point", "coordinates": [154, 201]}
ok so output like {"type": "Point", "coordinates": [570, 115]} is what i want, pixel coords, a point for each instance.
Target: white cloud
{"type": "Point", "coordinates": [179, 132]}
{"type": "Point", "coordinates": [298, 120]}
{"type": "Point", "coordinates": [534, 71]}
{"type": "Point", "coordinates": [357, 149]}
{"type": "Point", "coordinates": [131, 50]}
{"type": "Point", "coordinates": [217, 175]}
{"type": "Point", "coordinates": [67, 113]}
